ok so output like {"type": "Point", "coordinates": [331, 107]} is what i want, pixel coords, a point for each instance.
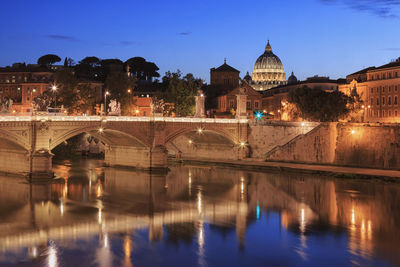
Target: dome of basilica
{"type": "Point", "coordinates": [268, 71]}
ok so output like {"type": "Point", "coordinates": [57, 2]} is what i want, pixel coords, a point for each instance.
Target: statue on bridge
{"type": "Point", "coordinates": [115, 108]}
{"type": "Point", "coordinates": [5, 105]}
{"type": "Point", "coordinates": [42, 102]}
{"type": "Point", "coordinates": [157, 107]}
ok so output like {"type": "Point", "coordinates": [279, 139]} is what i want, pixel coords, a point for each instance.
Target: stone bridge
{"type": "Point", "coordinates": [142, 142]}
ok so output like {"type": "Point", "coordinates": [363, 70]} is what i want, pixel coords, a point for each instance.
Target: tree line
{"type": "Point", "coordinates": [121, 80]}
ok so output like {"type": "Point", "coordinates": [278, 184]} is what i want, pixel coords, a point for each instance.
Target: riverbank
{"type": "Point", "coordinates": [336, 171]}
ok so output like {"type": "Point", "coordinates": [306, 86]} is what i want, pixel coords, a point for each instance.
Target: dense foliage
{"type": "Point", "coordinates": [318, 105]}
{"type": "Point", "coordinates": [181, 91]}
{"type": "Point", "coordinates": [48, 60]}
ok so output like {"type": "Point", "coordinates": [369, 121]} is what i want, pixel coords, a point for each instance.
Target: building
{"type": "Point", "coordinates": [268, 71]}
{"type": "Point", "coordinates": [225, 76]}
{"type": "Point", "coordinates": [273, 100]}
{"type": "Point", "coordinates": [378, 88]}
{"type": "Point", "coordinates": [22, 84]}
{"type": "Point", "coordinates": [228, 102]}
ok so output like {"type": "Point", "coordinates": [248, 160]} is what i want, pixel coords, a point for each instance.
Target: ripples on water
{"type": "Point", "coordinates": [197, 216]}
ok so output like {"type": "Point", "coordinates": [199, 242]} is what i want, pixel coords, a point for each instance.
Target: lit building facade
{"type": "Point", "coordinates": [379, 89]}
{"type": "Point", "coordinates": [268, 71]}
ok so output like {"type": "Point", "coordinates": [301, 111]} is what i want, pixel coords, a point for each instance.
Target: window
{"type": "Point", "coordinates": [377, 101]}
{"type": "Point", "coordinates": [383, 100]}
{"type": "Point", "coordinates": [384, 76]}
{"type": "Point", "coordinates": [372, 101]}
{"type": "Point", "coordinates": [231, 103]}
{"type": "Point", "coordinates": [390, 113]}
{"type": "Point", "coordinates": [395, 100]}
{"type": "Point", "coordinates": [389, 100]}
{"type": "Point", "coordinates": [248, 106]}
{"type": "Point", "coordinates": [390, 75]}
{"type": "Point", "coordinates": [256, 104]}
{"type": "Point", "coordinates": [395, 74]}
{"type": "Point", "coordinates": [372, 90]}
{"type": "Point", "coordinates": [383, 89]}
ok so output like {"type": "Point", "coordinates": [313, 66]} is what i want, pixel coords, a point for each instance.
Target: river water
{"type": "Point", "coordinates": [197, 216]}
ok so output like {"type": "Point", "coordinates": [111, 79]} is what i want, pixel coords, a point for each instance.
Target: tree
{"type": "Point", "coordinates": [68, 62]}
{"type": "Point", "coordinates": [89, 68]}
{"type": "Point", "coordinates": [142, 69]}
{"type": "Point", "coordinates": [48, 60]}
{"type": "Point", "coordinates": [86, 98]}
{"type": "Point", "coordinates": [181, 92]}
{"type": "Point", "coordinates": [318, 105]}
{"type": "Point", "coordinates": [118, 84]}
{"type": "Point", "coordinates": [67, 92]}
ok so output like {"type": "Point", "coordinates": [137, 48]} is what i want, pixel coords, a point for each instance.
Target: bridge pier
{"type": "Point", "coordinates": [137, 157]}
{"type": "Point", "coordinates": [41, 165]}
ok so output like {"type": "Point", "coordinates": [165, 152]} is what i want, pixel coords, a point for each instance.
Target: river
{"type": "Point", "coordinates": [196, 216]}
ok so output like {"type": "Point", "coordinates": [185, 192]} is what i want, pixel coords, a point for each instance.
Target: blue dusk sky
{"type": "Point", "coordinates": [312, 37]}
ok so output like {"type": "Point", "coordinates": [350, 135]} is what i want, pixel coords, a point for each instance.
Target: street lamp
{"type": "Point", "coordinates": [32, 91]}
{"type": "Point", "coordinates": [105, 102]}
{"type": "Point", "coordinates": [54, 89]}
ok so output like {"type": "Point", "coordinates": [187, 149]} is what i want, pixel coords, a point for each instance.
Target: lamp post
{"type": "Point", "coordinates": [32, 91]}
{"type": "Point", "coordinates": [54, 89]}
{"type": "Point", "coordinates": [105, 102]}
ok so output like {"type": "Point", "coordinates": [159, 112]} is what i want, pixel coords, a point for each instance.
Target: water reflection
{"type": "Point", "coordinates": [122, 214]}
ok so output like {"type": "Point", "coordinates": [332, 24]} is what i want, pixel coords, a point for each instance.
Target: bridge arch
{"type": "Point", "coordinates": [16, 140]}
{"type": "Point", "coordinates": [108, 136]}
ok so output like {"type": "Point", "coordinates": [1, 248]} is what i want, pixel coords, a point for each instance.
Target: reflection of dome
{"type": "Point", "coordinates": [268, 71]}
{"type": "Point", "coordinates": [292, 79]}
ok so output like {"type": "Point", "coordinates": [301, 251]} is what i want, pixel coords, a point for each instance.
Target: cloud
{"type": "Point", "coordinates": [380, 8]}
{"type": "Point", "coordinates": [392, 49]}
{"type": "Point", "coordinates": [184, 33]}
{"type": "Point", "coordinates": [127, 43]}
{"type": "Point", "coordinates": [61, 37]}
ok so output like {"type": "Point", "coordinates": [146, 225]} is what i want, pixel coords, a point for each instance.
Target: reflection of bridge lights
{"type": "Point", "coordinates": [353, 216]}
{"type": "Point", "coordinates": [99, 216]}
{"type": "Point", "coordinates": [62, 206]}
{"type": "Point", "coordinates": [199, 202]}
{"type": "Point", "coordinates": [258, 211]}
{"type": "Point", "coordinates": [99, 191]}
{"type": "Point", "coordinates": [302, 220]}
{"type": "Point", "coordinates": [52, 256]}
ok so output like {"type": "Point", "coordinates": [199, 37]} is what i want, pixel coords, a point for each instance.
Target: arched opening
{"type": "Point", "coordinates": [14, 157]}
{"type": "Point", "coordinates": [204, 144]}
{"type": "Point", "coordinates": [92, 143]}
